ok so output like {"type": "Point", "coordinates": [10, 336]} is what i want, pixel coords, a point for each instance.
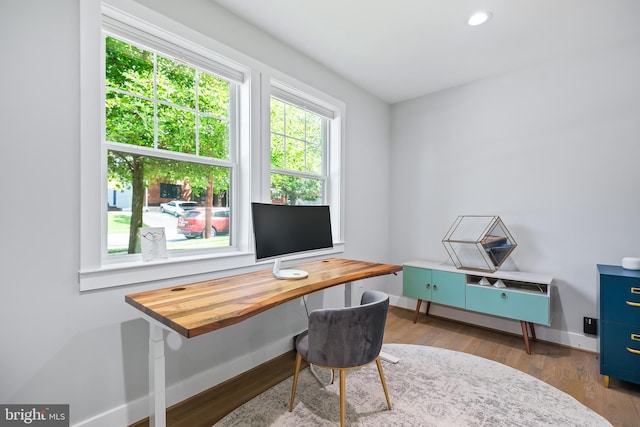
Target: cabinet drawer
{"type": "Point", "coordinates": [502, 302]}
{"type": "Point", "coordinates": [622, 356]}
{"type": "Point", "coordinates": [620, 299]}
{"type": "Point", "coordinates": [448, 288]}
{"type": "Point", "coordinates": [416, 283]}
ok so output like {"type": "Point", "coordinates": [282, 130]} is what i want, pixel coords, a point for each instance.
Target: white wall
{"type": "Point", "coordinates": [552, 149]}
{"type": "Point", "coordinates": [90, 349]}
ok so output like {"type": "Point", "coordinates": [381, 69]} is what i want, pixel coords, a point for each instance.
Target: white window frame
{"type": "Point", "coordinates": [253, 178]}
{"type": "Point", "coordinates": [119, 30]}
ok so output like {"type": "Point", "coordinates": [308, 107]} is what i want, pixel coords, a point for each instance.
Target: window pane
{"type": "Point", "coordinates": [294, 121]}
{"type": "Point", "coordinates": [277, 151]}
{"type": "Point", "coordinates": [138, 186]}
{"type": "Point", "coordinates": [129, 120]}
{"type": "Point", "coordinates": [176, 130]}
{"type": "Point", "coordinates": [314, 158]}
{"type": "Point", "coordinates": [294, 155]}
{"type": "Point", "coordinates": [314, 128]}
{"type": "Point", "coordinates": [297, 139]}
{"type": "Point", "coordinates": [293, 190]}
{"type": "Point", "coordinates": [214, 137]}
{"type": "Point", "coordinates": [128, 68]}
{"type": "Point", "coordinates": [176, 83]}
{"type": "Point", "coordinates": [213, 95]}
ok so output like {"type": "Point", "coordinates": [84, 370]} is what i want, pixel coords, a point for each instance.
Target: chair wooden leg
{"type": "Point", "coordinates": [295, 381]}
{"type": "Point", "coordinates": [384, 383]}
{"type": "Point", "coordinates": [343, 379]}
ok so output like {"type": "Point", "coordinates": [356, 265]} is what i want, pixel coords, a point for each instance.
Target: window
{"type": "Point", "coordinates": [298, 161]}
{"type": "Point", "coordinates": [304, 139]}
{"type": "Point", "coordinates": [170, 191]}
{"type": "Point", "coordinates": [168, 135]}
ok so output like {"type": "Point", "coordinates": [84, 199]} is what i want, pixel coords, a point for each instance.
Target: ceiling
{"type": "Point", "coordinates": [403, 49]}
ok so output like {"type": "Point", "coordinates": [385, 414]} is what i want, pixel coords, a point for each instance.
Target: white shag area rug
{"type": "Point", "coordinates": [428, 387]}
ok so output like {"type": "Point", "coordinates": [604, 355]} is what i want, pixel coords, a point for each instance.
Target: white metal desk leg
{"type": "Point", "coordinates": [348, 297]}
{"type": "Point", "coordinates": [157, 405]}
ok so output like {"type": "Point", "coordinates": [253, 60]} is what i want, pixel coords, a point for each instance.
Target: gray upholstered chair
{"type": "Point", "coordinates": [344, 338]}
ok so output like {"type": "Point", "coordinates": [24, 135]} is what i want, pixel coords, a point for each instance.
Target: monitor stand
{"type": "Point", "coordinates": [287, 274]}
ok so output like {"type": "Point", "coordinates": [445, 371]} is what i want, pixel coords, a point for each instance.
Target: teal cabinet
{"type": "Point", "coordinates": [523, 296]}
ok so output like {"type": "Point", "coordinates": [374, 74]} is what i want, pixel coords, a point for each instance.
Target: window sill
{"type": "Point", "coordinates": [136, 272]}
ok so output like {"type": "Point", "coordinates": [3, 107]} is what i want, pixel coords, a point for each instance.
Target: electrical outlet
{"type": "Point", "coordinates": [590, 326]}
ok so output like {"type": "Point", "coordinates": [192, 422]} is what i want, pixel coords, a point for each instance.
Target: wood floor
{"type": "Point", "coordinates": [573, 371]}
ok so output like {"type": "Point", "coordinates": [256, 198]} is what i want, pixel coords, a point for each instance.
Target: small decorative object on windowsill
{"type": "Point", "coordinates": [631, 263]}
{"type": "Point", "coordinates": [153, 243]}
{"type": "Point", "coordinates": [479, 242]}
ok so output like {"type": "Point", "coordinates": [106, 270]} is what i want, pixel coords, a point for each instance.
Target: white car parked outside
{"type": "Point", "coordinates": [177, 207]}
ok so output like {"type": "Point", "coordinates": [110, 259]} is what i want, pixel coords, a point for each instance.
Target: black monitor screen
{"type": "Point", "coordinates": [285, 229]}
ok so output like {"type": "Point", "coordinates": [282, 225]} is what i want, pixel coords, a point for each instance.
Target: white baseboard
{"type": "Point", "coordinates": [138, 409]}
{"type": "Point", "coordinates": [570, 339]}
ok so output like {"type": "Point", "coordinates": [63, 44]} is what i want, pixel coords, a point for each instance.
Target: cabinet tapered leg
{"type": "Point", "coordinates": [415, 316]}
{"type": "Point", "coordinates": [525, 335]}
{"type": "Point", "coordinates": [533, 332]}
{"type": "Point", "coordinates": [606, 381]}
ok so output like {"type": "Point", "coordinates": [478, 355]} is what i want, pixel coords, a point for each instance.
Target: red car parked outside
{"type": "Point", "coordinates": [192, 223]}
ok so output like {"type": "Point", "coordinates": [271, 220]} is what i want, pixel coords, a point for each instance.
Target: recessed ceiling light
{"type": "Point", "coordinates": [479, 18]}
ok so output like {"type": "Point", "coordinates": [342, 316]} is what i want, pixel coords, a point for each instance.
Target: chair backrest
{"type": "Point", "coordinates": [351, 336]}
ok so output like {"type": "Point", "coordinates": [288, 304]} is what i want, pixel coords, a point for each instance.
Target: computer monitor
{"type": "Point", "coordinates": [281, 230]}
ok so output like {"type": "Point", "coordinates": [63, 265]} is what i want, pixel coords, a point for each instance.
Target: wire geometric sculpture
{"type": "Point", "coordinates": [479, 242]}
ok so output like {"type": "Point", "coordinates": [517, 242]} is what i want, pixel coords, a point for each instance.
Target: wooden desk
{"type": "Point", "coordinates": [202, 307]}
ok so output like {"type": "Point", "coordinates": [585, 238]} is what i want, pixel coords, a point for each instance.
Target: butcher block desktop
{"type": "Point", "coordinates": [202, 307]}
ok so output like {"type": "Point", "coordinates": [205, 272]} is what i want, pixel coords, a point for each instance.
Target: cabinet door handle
{"type": "Point", "coordinates": [503, 295]}
{"type": "Point", "coordinates": [633, 304]}
{"type": "Point", "coordinates": [635, 337]}
{"type": "Point", "coordinates": [635, 291]}
{"type": "Point", "coordinates": [428, 285]}
{"type": "Point", "coordinates": [633, 350]}
{"type": "Point", "coordinates": [435, 287]}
